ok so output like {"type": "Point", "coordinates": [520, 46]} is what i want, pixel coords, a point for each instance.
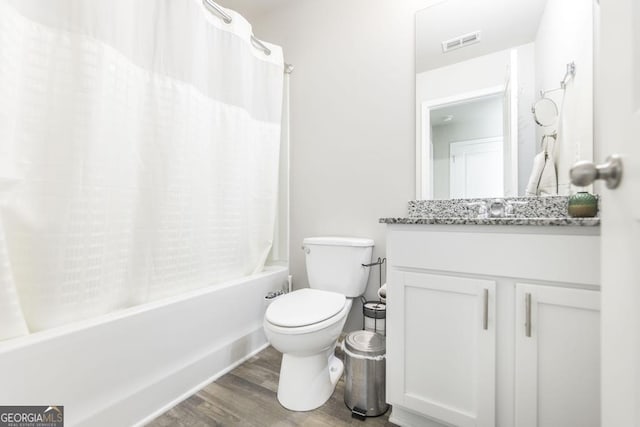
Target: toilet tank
{"type": "Point", "coordinates": [335, 263]}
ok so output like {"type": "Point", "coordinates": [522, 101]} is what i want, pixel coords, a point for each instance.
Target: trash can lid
{"type": "Point", "coordinates": [365, 343]}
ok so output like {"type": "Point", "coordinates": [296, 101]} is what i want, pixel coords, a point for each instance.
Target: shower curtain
{"type": "Point", "coordinates": [139, 147]}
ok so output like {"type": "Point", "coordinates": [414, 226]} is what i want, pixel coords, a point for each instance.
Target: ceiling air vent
{"type": "Point", "coordinates": [460, 41]}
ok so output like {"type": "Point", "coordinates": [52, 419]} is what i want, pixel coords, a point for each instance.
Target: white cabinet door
{"type": "Point", "coordinates": [441, 348]}
{"type": "Point", "coordinates": [557, 357]}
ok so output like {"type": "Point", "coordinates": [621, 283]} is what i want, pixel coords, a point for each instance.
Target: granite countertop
{"type": "Point", "coordinates": [531, 211]}
{"type": "Point", "coordinates": [566, 221]}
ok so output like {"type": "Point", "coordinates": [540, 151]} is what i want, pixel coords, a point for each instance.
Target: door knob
{"type": "Point", "coordinates": [585, 172]}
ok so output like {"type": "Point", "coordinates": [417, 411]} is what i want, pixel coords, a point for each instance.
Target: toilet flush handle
{"type": "Point", "coordinates": [305, 249]}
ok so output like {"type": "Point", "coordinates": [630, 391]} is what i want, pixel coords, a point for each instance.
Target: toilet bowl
{"type": "Point", "coordinates": [309, 370]}
{"type": "Point", "coordinates": [304, 325]}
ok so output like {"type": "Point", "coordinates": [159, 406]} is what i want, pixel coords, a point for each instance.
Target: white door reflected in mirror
{"type": "Point", "coordinates": [476, 168]}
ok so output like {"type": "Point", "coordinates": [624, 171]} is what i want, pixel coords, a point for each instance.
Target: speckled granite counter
{"type": "Point", "coordinates": [582, 222]}
{"type": "Point", "coordinates": [531, 211]}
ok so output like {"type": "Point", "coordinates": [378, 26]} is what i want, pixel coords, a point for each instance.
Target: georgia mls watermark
{"type": "Point", "coordinates": [32, 416]}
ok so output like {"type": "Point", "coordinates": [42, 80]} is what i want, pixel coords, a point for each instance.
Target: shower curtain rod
{"type": "Point", "coordinates": [227, 20]}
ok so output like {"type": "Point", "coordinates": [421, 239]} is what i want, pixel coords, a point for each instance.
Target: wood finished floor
{"type": "Point", "coordinates": [246, 396]}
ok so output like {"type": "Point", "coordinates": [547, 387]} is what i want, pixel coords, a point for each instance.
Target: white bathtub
{"type": "Point", "coordinates": [127, 367]}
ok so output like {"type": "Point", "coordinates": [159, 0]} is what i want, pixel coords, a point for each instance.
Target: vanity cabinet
{"type": "Point", "coordinates": [492, 325]}
{"type": "Point", "coordinates": [557, 380]}
{"type": "Point", "coordinates": [449, 347]}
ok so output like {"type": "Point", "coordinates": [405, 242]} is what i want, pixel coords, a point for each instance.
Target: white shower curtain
{"type": "Point", "coordinates": [139, 149]}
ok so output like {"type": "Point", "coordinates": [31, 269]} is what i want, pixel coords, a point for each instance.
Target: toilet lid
{"type": "Point", "coordinates": [304, 307]}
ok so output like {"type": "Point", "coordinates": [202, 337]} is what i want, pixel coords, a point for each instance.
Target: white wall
{"type": "Point", "coordinates": [565, 34]}
{"type": "Point", "coordinates": [527, 147]}
{"type": "Point", "coordinates": [352, 118]}
{"type": "Point", "coordinates": [502, 25]}
{"type": "Point", "coordinates": [467, 76]}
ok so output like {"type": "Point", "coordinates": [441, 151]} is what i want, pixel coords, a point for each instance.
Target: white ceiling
{"type": "Point", "coordinates": [252, 9]}
{"type": "Point", "coordinates": [503, 23]}
{"type": "Point", "coordinates": [467, 111]}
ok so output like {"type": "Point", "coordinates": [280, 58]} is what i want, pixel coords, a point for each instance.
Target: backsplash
{"type": "Point", "coordinates": [524, 207]}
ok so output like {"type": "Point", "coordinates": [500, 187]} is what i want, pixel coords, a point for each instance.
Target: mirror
{"type": "Point", "coordinates": [495, 79]}
{"type": "Point", "coordinates": [545, 112]}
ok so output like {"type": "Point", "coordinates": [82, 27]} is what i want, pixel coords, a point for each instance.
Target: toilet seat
{"type": "Point", "coordinates": [304, 307]}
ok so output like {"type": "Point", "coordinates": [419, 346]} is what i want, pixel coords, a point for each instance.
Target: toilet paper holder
{"type": "Point", "coordinates": [379, 262]}
{"type": "Point", "coordinates": [374, 312]}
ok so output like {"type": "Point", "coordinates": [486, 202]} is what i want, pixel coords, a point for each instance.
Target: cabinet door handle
{"type": "Point", "coordinates": [485, 314]}
{"type": "Point", "coordinates": [527, 322]}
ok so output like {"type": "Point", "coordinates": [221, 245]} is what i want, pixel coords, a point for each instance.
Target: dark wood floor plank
{"type": "Point", "coordinates": [247, 396]}
{"type": "Point", "coordinates": [186, 414]}
{"type": "Point", "coordinates": [258, 374]}
{"type": "Point", "coordinates": [242, 397]}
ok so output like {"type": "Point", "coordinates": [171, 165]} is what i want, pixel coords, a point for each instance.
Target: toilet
{"type": "Point", "coordinates": [304, 325]}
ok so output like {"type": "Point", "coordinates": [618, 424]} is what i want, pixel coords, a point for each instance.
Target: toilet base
{"type": "Point", "coordinates": [306, 383]}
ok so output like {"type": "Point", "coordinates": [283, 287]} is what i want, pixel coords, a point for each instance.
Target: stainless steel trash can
{"type": "Point", "coordinates": [364, 361]}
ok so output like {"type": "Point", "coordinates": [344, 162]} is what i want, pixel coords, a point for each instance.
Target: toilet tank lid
{"type": "Point", "coordinates": [338, 241]}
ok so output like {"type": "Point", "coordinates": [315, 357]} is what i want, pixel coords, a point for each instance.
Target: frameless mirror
{"type": "Point", "coordinates": [492, 79]}
{"type": "Point", "coordinates": [545, 112]}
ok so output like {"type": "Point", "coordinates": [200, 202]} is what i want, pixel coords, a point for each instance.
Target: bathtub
{"type": "Point", "coordinates": [127, 367]}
